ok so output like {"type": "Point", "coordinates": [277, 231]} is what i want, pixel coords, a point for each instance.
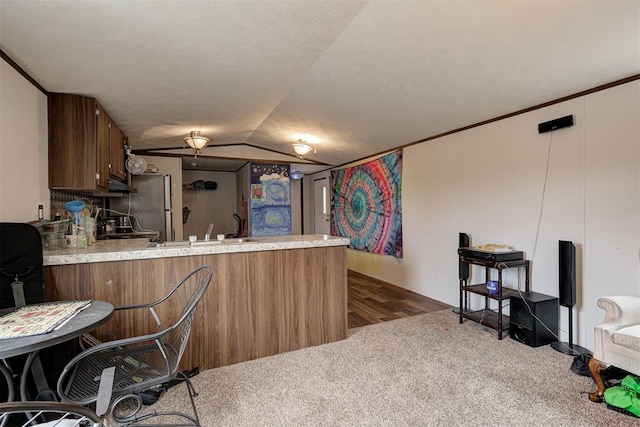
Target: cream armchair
{"type": "Point", "coordinates": [617, 339]}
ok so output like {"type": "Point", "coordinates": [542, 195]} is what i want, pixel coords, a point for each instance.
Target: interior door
{"type": "Point", "coordinates": [322, 206]}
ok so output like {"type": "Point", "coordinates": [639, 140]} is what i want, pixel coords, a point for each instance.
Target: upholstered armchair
{"type": "Point", "coordinates": [617, 339]}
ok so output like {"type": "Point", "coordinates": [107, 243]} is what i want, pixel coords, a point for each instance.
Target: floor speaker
{"type": "Point", "coordinates": [463, 268]}
{"type": "Point", "coordinates": [529, 316]}
{"type": "Point", "coordinates": [567, 273]}
{"type": "Point", "coordinates": [567, 293]}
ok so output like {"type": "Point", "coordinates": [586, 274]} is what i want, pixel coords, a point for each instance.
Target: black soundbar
{"type": "Point", "coordinates": [562, 122]}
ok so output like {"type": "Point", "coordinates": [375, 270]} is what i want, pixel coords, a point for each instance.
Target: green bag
{"type": "Point", "coordinates": [626, 395]}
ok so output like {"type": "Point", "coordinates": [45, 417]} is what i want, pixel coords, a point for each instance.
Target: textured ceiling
{"type": "Point", "coordinates": [359, 76]}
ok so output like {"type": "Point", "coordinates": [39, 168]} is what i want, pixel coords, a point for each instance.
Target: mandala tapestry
{"type": "Point", "coordinates": [366, 205]}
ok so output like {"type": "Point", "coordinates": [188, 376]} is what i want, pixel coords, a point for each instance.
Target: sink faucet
{"type": "Point", "coordinates": [207, 236]}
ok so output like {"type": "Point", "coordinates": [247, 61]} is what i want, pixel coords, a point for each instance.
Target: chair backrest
{"type": "Point", "coordinates": [21, 256]}
{"type": "Point", "coordinates": [181, 303]}
{"type": "Point", "coordinates": [142, 361]}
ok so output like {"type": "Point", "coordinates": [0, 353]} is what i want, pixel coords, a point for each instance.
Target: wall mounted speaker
{"type": "Point", "coordinates": [524, 327]}
{"type": "Point", "coordinates": [562, 122]}
{"type": "Point", "coordinates": [463, 268]}
{"type": "Point", "coordinates": [567, 273]}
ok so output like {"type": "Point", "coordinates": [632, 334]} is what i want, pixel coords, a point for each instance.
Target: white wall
{"type": "Point", "coordinates": [488, 182]}
{"type": "Point", "coordinates": [23, 148]}
{"type": "Point", "coordinates": [296, 206]}
{"type": "Point", "coordinates": [172, 166]}
{"type": "Point", "coordinates": [210, 206]}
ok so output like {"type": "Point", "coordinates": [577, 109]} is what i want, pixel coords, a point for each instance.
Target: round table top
{"type": "Point", "coordinates": [86, 320]}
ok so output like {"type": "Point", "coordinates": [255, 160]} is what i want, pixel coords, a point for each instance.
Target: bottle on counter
{"type": "Point", "coordinates": [83, 238]}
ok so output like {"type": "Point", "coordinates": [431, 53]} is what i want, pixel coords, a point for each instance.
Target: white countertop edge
{"type": "Point", "coordinates": [135, 249]}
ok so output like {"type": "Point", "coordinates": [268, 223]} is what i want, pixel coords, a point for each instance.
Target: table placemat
{"type": "Point", "coordinates": [38, 319]}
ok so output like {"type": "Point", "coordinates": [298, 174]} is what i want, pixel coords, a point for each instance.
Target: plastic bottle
{"type": "Point", "coordinates": [83, 239]}
{"type": "Point", "coordinates": [40, 212]}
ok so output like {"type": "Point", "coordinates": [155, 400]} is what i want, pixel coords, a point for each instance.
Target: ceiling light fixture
{"type": "Point", "coordinates": [197, 142]}
{"type": "Point", "coordinates": [302, 148]}
{"type": "Point", "coordinates": [296, 174]}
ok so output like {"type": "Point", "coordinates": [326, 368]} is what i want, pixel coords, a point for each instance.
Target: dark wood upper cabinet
{"type": "Point", "coordinates": [116, 151]}
{"type": "Point", "coordinates": [73, 146]}
{"type": "Point", "coordinates": [80, 144]}
{"type": "Point", "coordinates": [102, 162]}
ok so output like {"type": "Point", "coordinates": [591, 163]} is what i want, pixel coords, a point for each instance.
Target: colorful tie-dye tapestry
{"type": "Point", "coordinates": [366, 205]}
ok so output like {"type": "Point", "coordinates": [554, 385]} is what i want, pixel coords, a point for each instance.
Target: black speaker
{"type": "Point", "coordinates": [562, 122]}
{"type": "Point", "coordinates": [567, 273]}
{"type": "Point", "coordinates": [463, 268]}
{"type": "Point", "coordinates": [524, 327]}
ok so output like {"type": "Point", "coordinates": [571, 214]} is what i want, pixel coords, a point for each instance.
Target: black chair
{"type": "Point", "coordinates": [142, 362]}
{"type": "Point", "coordinates": [22, 283]}
{"type": "Point", "coordinates": [20, 262]}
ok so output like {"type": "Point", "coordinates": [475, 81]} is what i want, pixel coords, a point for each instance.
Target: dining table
{"type": "Point", "coordinates": [87, 319]}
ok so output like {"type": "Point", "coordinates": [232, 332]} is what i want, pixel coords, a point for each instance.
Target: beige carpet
{"type": "Point", "coordinates": [422, 370]}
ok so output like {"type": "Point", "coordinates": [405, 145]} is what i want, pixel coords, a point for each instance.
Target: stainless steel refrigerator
{"type": "Point", "coordinates": [150, 204]}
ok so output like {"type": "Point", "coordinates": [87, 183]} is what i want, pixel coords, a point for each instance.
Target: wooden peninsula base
{"type": "Point", "coordinates": [258, 303]}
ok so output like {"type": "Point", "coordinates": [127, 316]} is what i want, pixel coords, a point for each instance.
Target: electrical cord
{"type": "Point", "coordinates": [537, 235]}
{"type": "Point", "coordinates": [535, 247]}
{"type": "Point", "coordinates": [128, 214]}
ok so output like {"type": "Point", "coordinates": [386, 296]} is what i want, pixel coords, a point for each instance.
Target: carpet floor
{"type": "Point", "coordinates": [423, 370]}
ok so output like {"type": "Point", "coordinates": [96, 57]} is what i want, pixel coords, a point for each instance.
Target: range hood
{"type": "Point", "coordinates": [116, 186]}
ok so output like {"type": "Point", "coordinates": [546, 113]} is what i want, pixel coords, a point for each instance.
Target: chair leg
{"type": "Point", "coordinates": [189, 420]}
{"type": "Point", "coordinates": [596, 367]}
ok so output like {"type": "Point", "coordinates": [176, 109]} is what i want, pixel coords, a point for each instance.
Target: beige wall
{"type": "Point", "coordinates": [23, 148]}
{"type": "Point", "coordinates": [210, 206]}
{"type": "Point", "coordinates": [488, 181]}
{"type": "Point", "coordinates": [296, 206]}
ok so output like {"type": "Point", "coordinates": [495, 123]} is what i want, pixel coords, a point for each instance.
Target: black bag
{"type": "Point", "coordinates": [149, 397]}
{"type": "Point", "coordinates": [580, 365]}
{"type": "Point", "coordinates": [611, 375]}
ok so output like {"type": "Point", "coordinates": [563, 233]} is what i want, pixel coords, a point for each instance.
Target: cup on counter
{"type": "Point", "coordinates": [220, 238]}
{"type": "Point", "coordinates": [72, 240]}
{"type": "Point", "coordinates": [90, 228]}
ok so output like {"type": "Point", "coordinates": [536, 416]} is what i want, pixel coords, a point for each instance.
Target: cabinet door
{"type": "Point", "coordinates": [116, 147]}
{"type": "Point", "coordinates": [72, 142]}
{"type": "Point", "coordinates": [102, 159]}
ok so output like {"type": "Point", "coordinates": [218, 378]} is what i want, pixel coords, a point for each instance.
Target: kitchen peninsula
{"type": "Point", "coordinates": [267, 295]}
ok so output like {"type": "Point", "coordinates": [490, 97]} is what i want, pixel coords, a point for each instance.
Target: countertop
{"type": "Point", "coordinates": [132, 249]}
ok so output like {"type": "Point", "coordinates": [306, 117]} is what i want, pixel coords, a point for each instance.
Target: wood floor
{"type": "Point", "coordinates": [374, 301]}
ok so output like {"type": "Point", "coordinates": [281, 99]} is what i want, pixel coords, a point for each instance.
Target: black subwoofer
{"type": "Point", "coordinates": [524, 327]}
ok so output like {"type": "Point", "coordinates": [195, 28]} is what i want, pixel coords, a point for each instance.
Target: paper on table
{"type": "Point", "coordinates": [39, 319]}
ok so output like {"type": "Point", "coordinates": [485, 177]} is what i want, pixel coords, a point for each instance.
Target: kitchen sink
{"type": "Point", "coordinates": [186, 244]}
{"type": "Point", "coordinates": [179, 244]}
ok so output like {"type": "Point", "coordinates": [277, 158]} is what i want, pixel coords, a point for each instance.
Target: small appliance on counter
{"type": "Point", "coordinates": [122, 224]}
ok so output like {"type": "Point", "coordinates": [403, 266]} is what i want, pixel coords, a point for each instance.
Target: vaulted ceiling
{"type": "Point", "coordinates": [356, 77]}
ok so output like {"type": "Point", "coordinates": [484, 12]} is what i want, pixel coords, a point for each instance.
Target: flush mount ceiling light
{"type": "Point", "coordinates": [197, 142]}
{"type": "Point", "coordinates": [296, 174]}
{"type": "Point", "coordinates": [302, 148]}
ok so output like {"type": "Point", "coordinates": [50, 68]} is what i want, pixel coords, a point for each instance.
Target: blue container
{"type": "Point", "coordinates": [492, 287]}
